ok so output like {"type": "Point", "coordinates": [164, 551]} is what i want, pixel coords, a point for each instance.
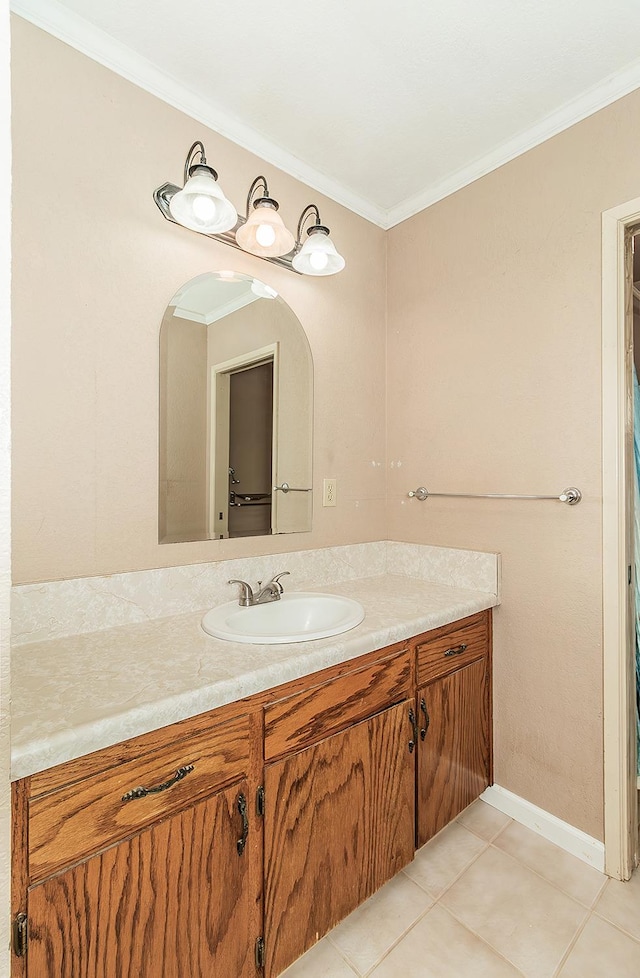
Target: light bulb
{"type": "Point", "coordinates": [318, 260]}
{"type": "Point", "coordinates": [203, 207]}
{"type": "Point", "coordinates": [265, 235]}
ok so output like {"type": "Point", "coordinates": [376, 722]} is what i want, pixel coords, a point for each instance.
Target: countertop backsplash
{"type": "Point", "coordinates": [56, 609]}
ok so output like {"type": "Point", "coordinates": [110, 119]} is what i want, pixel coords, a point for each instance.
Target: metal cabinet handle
{"type": "Point", "coordinates": [242, 808]}
{"type": "Point", "coordinates": [458, 650]}
{"type": "Point", "coordinates": [414, 726]}
{"type": "Point", "coordinates": [427, 721]}
{"type": "Point", "coordinates": [141, 792]}
{"type": "Point", "coordinates": [20, 935]}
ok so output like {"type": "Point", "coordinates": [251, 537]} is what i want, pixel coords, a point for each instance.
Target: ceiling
{"type": "Point", "coordinates": [384, 105]}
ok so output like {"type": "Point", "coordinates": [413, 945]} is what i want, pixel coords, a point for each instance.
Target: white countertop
{"type": "Point", "coordinates": [77, 694]}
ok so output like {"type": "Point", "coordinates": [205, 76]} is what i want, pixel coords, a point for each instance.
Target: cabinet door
{"type": "Point", "coordinates": [171, 902]}
{"type": "Point", "coordinates": [339, 822]}
{"type": "Point", "coordinates": [453, 758]}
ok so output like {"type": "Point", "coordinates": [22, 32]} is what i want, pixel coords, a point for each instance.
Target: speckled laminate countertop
{"type": "Point", "coordinates": [75, 695]}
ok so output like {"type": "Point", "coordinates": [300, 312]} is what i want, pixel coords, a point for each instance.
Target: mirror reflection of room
{"type": "Point", "coordinates": [235, 413]}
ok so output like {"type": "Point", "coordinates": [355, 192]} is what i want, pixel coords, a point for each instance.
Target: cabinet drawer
{"type": "Point", "coordinates": [309, 716]}
{"type": "Point", "coordinates": [80, 819]}
{"type": "Point", "coordinates": [446, 653]}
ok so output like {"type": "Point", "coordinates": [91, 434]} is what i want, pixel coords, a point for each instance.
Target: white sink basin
{"type": "Point", "coordinates": [296, 617]}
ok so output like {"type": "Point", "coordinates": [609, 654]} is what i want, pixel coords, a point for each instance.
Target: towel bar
{"type": "Point", "coordinates": [570, 496]}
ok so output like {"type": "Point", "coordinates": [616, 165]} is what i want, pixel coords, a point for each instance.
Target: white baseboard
{"type": "Point", "coordinates": [550, 827]}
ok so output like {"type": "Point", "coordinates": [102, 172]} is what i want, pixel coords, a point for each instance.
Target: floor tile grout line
{"type": "Point", "coordinates": [486, 845]}
{"type": "Point", "coordinates": [395, 945]}
{"type": "Point", "coordinates": [350, 965]}
{"type": "Point", "coordinates": [581, 903]}
{"type": "Point", "coordinates": [572, 944]}
{"type": "Point", "coordinates": [617, 926]}
{"type": "Point", "coordinates": [483, 940]}
{"type": "Point", "coordinates": [391, 946]}
{"type": "Point", "coordinates": [483, 837]}
{"type": "Point", "coordinates": [511, 821]}
{"type": "Point", "coordinates": [587, 910]}
{"type": "Point", "coordinates": [454, 880]}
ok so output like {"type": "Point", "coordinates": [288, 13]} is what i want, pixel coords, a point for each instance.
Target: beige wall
{"type": "Point", "coordinates": [493, 376]}
{"type": "Point", "coordinates": [95, 265]}
{"type": "Point", "coordinates": [494, 386]}
{"type": "Point", "coordinates": [182, 502]}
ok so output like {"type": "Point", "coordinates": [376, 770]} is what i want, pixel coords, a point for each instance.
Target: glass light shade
{"type": "Point", "coordinates": [264, 234]}
{"type": "Point", "coordinates": [318, 256]}
{"type": "Point", "coordinates": [201, 204]}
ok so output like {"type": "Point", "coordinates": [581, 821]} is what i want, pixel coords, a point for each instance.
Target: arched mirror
{"type": "Point", "coordinates": [236, 389]}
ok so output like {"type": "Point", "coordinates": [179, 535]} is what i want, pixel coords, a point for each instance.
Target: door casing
{"type": "Point", "coordinates": [620, 778]}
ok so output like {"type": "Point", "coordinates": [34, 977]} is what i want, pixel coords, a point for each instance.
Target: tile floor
{"type": "Point", "coordinates": [487, 898]}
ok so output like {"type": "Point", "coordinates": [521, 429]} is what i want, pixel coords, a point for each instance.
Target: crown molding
{"type": "Point", "coordinates": [74, 30]}
{"type": "Point", "coordinates": [604, 93]}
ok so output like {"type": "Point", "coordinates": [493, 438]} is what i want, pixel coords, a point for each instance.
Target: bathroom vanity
{"type": "Point", "coordinates": [228, 843]}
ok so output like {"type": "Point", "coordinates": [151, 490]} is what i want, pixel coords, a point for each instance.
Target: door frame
{"type": "Point", "coordinates": [263, 354]}
{"type": "Point", "coordinates": [620, 777]}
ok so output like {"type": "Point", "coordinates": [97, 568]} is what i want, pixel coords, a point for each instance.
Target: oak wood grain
{"type": "Point", "coordinates": [171, 902]}
{"type": "Point", "coordinates": [433, 660]}
{"type": "Point", "coordinates": [19, 868]}
{"type": "Point", "coordinates": [453, 626]}
{"type": "Point", "coordinates": [128, 750]}
{"type": "Point", "coordinates": [321, 710]}
{"type": "Point", "coordinates": [453, 759]}
{"type": "Point", "coordinates": [75, 821]}
{"type": "Point", "coordinates": [339, 823]}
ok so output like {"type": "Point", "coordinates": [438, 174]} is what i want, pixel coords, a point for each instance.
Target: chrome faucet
{"type": "Point", "coordinates": [270, 591]}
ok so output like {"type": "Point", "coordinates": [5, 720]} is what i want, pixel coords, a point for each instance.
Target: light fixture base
{"type": "Point", "coordinates": [162, 196]}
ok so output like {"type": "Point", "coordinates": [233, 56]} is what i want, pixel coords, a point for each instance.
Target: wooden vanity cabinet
{"type": "Point", "coordinates": [125, 884]}
{"type": "Point", "coordinates": [271, 819]}
{"type": "Point", "coordinates": [453, 709]}
{"type": "Point", "coordinates": [339, 802]}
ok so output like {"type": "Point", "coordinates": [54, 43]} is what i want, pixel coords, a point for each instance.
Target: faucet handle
{"type": "Point", "coordinates": [246, 592]}
{"type": "Point", "coordinates": [276, 580]}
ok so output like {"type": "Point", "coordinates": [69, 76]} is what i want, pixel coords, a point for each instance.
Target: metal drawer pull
{"type": "Point", "coordinates": [242, 808]}
{"type": "Point", "coordinates": [458, 650]}
{"type": "Point", "coordinates": [427, 721]}
{"type": "Point", "coordinates": [141, 792]}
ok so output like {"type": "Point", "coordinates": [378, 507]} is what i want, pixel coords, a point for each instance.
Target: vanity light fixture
{"type": "Point", "coordinates": [263, 233]}
{"type": "Point", "coordinates": [200, 205]}
{"type": "Point", "coordinates": [318, 255]}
